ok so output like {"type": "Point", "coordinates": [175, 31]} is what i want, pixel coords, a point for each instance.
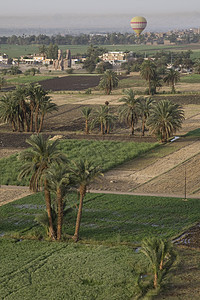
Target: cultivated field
{"type": "Point", "coordinates": [105, 264]}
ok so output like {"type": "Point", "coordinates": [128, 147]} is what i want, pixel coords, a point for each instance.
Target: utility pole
{"type": "Point", "coordinates": [185, 186]}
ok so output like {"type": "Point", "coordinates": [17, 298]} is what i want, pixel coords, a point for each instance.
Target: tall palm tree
{"type": "Point", "coordinates": [32, 103]}
{"type": "Point", "coordinates": [144, 106]}
{"type": "Point", "coordinates": [100, 117]}
{"type": "Point", "coordinates": [59, 180]}
{"type": "Point", "coordinates": [20, 96]}
{"type": "Point", "coordinates": [38, 93]}
{"type": "Point", "coordinates": [155, 83]}
{"type": "Point", "coordinates": [171, 78]}
{"type": "Point", "coordinates": [86, 112]}
{"type": "Point", "coordinates": [46, 107]}
{"type": "Point", "coordinates": [109, 81]}
{"type": "Point", "coordinates": [9, 110]}
{"type": "Point", "coordinates": [83, 173]}
{"type": "Point", "coordinates": [165, 118]}
{"type": "Point", "coordinates": [161, 257]}
{"type": "Point", "coordinates": [129, 110]}
{"type": "Point", "coordinates": [37, 160]}
{"type": "Point", "coordinates": [147, 72]}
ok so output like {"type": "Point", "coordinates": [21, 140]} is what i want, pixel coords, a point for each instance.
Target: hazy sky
{"type": "Point", "coordinates": [139, 7]}
{"type": "Point", "coordinates": [81, 16]}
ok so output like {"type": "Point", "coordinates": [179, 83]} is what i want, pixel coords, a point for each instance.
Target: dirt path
{"type": "Point", "coordinates": [12, 193]}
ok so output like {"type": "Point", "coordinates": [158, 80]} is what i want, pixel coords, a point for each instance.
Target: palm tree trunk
{"type": "Point", "coordinates": [13, 125]}
{"type": "Point", "coordinates": [173, 88]}
{"type": "Point", "coordinates": [86, 127]}
{"type": "Point", "coordinates": [143, 127]}
{"type": "Point", "coordinates": [149, 82]}
{"type": "Point", "coordinates": [36, 118]}
{"type": "Point", "coordinates": [25, 120]}
{"type": "Point", "coordinates": [132, 124]}
{"type": "Point", "coordinates": [155, 281]}
{"type": "Point", "coordinates": [48, 208]}
{"type": "Point", "coordinates": [102, 128]}
{"type": "Point", "coordinates": [60, 214]}
{"type": "Point", "coordinates": [18, 124]}
{"type": "Point", "coordinates": [41, 123]}
{"type": "Point", "coordinates": [79, 215]}
{"type": "Point", "coordinates": [31, 118]}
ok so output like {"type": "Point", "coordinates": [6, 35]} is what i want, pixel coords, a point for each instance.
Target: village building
{"type": "Point", "coordinates": [4, 59]}
{"type": "Point", "coordinates": [114, 58]}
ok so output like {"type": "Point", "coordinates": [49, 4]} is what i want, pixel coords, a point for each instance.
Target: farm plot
{"type": "Point", "coordinates": [70, 83]}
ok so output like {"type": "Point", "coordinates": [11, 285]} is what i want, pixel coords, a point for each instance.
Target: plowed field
{"type": "Point", "coordinates": [70, 83]}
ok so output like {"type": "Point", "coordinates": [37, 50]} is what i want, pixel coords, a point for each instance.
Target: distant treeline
{"type": "Point", "coordinates": [82, 39]}
{"type": "Point", "coordinates": [98, 39]}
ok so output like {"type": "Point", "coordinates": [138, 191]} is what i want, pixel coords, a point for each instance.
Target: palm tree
{"type": "Point", "coordinates": [38, 94]}
{"type": "Point", "coordinates": [197, 66]}
{"type": "Point", "coordinates": [2, 82]}
{"type": "Point", "coordinates": [161, 257]}
{"type": "Point", "coordinates": [58, 177]}
{"type": "Point", "coordinates": [86, 112]}
{"type": "Point", "coordinates": [165, 118]}
{"type": "Point", "coordinates": [46, 106]}
{"type": "Point", "coordinates": [171, 78]}
{"type": "Point", "coordinates": [9, 110]}
{"type": "Point", "coordinates": [109, 81]}
{"type": "Point", "coordinates": [155, 83]}
{"type": "Point", "coordinates": [32, 103]}
{"type": "Point", "coordinates": [144, 106]}
{"type": "Point", "coordinates": [37, 160]}
{"type": "Point", "coordinates": [100, 117]}
{"type": "Point", "coordinates": [129, 110]}
{"type": "Point", "coordinates": [147, 72]}
{"type": "Point", "coordinates": [20, 96]}
{"type": "Point", "coordinates": [83, 173]}
{"type": "Point", "coordinates": [43, 50]}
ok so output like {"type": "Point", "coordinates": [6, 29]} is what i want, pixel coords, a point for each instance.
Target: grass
{"type": "Point", "coordinates": [18, 50]}
{"type": "Point", "coordinates": [130, 82]}
{"type": "Point", "coordinates": [107, 154]}
{"type": "Point", "coordinates": [27, 79]}
{"type": "Point", "coordinates": [106, 218]}
{"type": "Point", "coordinates": [41, 270]}
{"type": "Point", "coordinates": [191, 78]}
{"type": "Point", "coordinates": [193, 133]}
{"type": "Point", "coordinates": [100, 267]}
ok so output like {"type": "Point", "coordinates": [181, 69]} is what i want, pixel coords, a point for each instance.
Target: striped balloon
{"type": "Point", "coordinates": [138, 24]}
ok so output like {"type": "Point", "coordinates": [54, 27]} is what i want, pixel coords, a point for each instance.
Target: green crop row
{"type": "Point", "coordinates": [107, 154]}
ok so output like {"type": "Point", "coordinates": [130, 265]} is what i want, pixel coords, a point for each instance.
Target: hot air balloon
{"type": "Point", "coordinates": [138, 24]}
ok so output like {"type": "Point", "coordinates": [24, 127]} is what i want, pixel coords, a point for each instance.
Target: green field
{"type": "Point", "coordinates": [22, 79]}
{"type": "Point", "coordinates": [107, 154]}
{"type": "Point", "coordinates": [100, 266]}
{"type": "Point", "coordinates": [41, 270]}
{"type": "Point", "coordinates": [106, 218]}
{"type": "Point", "coordinates": [18, 50]}
{"type": "Point", "coordinates": [191, 78]}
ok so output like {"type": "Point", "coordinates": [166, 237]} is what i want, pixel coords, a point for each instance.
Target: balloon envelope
{"type": "Point", "coordinates": [138, 24]}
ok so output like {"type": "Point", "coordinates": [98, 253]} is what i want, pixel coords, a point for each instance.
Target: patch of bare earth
{"type": "Point", "coordinates": [5, 152]}
{"type": "Point", "coordinates": [12, 193]}
{"type": "Point", "coordinates": [173, 181]}
{"type": "Point", "coordinates": [162, 175]}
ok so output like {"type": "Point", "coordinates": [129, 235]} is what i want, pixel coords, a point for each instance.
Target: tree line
{"type": "Point", "coordinates": [113, 38]}
{"type": "Point", "coordinates": [162, 118]}
{"type": "Point", "coordinates": [26, 107]}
